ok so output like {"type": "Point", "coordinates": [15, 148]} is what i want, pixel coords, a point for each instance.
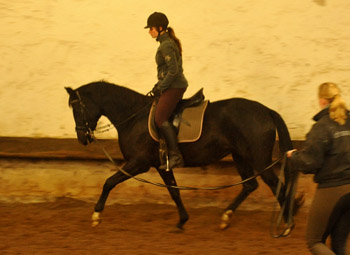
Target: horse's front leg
{"type": "Point", "coordinates": [169, 180]}
{"type": "Point", "coordinates": [110, 183]}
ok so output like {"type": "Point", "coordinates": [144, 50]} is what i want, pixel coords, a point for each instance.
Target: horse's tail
{"type": "Point", "coordinates": [285, 142]}
{"type": "Point", "coordinates": [290, 174]}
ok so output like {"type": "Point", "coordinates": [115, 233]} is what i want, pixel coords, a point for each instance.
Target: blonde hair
{"type": "Point", "coordinates": [337, 107]}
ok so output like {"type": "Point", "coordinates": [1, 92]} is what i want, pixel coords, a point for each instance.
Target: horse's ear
{"type": "Point", "coordinates": [69, 90]}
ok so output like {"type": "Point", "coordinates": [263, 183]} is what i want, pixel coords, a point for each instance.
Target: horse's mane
{"type": "Point", "coordinates": [106, 89]}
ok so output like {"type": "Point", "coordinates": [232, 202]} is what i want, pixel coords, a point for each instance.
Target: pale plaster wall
{"type": "Point", "coordinates": [274, 51]}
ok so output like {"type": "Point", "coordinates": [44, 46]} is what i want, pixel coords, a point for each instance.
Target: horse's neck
{"type": "Point", "coordinates": [120, 104]}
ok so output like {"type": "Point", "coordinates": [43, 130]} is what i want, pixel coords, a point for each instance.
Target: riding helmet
{"type": "Point", "coordinates": [157, 19]}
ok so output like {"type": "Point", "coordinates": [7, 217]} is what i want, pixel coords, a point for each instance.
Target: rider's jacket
{"type": "Point", "coordinates": [169, 64]}
{"type": "Point", "coordinates": [326, 152]}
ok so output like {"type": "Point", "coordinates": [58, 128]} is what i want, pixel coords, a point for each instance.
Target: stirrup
{"type": "Point", "coordinates": [165, 166]}
{"type": "Point", "coordinates": [178, 162]}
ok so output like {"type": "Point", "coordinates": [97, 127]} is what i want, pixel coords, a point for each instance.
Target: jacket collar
{"type": "Point", "coordinates": [321, 114]}
{"type": "Point", "coordinates": [163, 37]}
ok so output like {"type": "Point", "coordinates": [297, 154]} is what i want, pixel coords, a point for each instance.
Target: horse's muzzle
{"type": "Point", "coordinates": [84, 137]}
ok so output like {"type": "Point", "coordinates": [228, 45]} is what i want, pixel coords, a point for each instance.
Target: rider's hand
{"type": "Point", "coordinates": [156, 91]}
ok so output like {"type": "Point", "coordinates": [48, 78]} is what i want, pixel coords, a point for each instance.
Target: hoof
{"type": "Point", "coordinates": [181, 224]}
{"type": "Point", "coordinates": [96, 220]}
{"type": "Point", "coordinates": [288, 230]}
{"type": "Point", "coordinates": [225, 219]}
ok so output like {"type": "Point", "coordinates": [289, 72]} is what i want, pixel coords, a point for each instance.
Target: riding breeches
{"type": "Point", "coordinates": [320, 211]}
{"type": "Point", "coordinates": [167, 103]}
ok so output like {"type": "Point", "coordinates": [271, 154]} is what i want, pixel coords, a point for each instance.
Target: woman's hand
{"type": "Point", "coordinates": [155, 91]}
{"type": "Point", "coordinates": [290, 153]}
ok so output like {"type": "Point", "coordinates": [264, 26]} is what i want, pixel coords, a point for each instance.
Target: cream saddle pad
{"type": "Point", "coordinates": [190, 127]}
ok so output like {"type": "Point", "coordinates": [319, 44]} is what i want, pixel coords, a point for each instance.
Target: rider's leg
{"type": "Point", "coordinates": [174, 154]}
{"type": "Point", "coordinates": [165, 107]}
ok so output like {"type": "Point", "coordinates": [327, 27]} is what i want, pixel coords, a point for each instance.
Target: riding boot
{"type": "Point", "coordinates": [174, 154]}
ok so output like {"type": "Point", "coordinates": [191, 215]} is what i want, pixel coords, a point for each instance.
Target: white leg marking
{"type": "Point", "coordinates": [96, 220]}
{"type": "Point", "coordinates": [225, 219]}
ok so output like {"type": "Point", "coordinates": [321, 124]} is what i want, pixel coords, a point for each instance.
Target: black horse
{"type": "Point", "coordinates": [243, 128]}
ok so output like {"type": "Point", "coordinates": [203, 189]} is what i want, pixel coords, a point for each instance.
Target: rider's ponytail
{"type": "Point", "coordinates": [173, 36]}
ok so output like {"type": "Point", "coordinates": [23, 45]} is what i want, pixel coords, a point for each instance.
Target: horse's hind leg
{"type": "Point", "coordinates": [245, 171]}
{"type": "Point", "coordinates": [169, 180]}
{"type": "Point", "coordinates": [271, 179]}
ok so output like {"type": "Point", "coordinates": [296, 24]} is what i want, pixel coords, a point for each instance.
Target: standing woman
{"type": "Point", "coordinates": [171, 84]}
{"type": "Point", "coordinates": [326, 154]}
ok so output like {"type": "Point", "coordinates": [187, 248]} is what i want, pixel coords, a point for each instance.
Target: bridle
{"type": "Point", "coordinates": [86, 125]}
{"type": "Point", "coordinates": [83, 111]}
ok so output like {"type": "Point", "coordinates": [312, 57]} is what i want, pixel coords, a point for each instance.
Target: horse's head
{"type": "Point", "coordinates": [85, 114]}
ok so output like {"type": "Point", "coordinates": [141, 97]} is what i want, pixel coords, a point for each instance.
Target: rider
{"type": "Point", "coordinates": [171, 84]}
{"type": "Point", "coordinates": [326, 154]}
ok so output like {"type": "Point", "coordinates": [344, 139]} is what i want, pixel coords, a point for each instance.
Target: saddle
{"type": "Point", "coordinates": [187, 118]}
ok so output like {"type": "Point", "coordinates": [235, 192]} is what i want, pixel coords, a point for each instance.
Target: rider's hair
{"type": "Point", "coordinates": [337, 107]}
{"type": "Point", "coordinates": [173, 36]}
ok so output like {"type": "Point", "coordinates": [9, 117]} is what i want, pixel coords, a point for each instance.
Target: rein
{"type": "Point", "coordinates": [183, 187]}
{"type": "Point", "coordinates": [276, 231]}
{"type": "Point", "coordinates": [110, 126]}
